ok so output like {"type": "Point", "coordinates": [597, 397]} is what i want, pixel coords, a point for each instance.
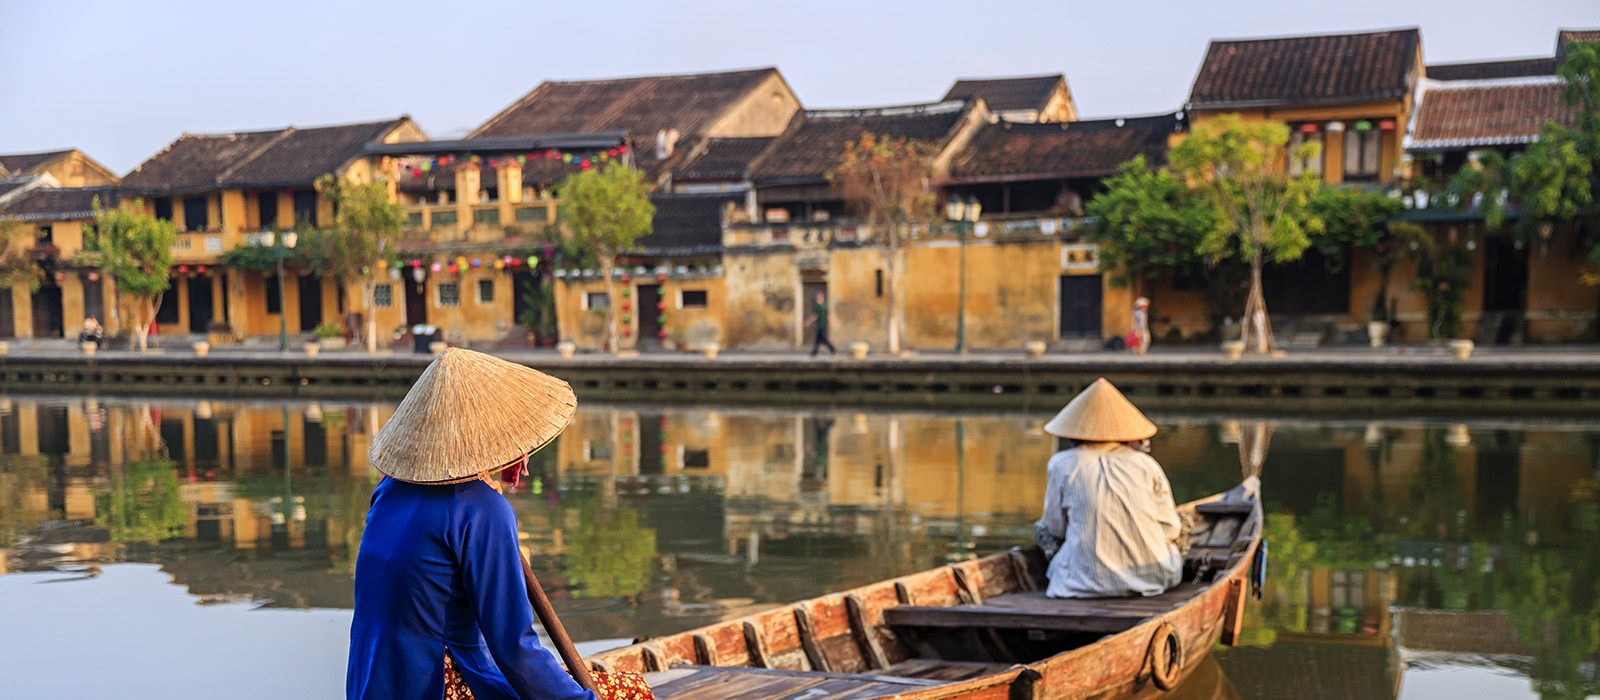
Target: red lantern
{"type": "Point", "coordinates": [662, 335]}
{"type": "Point", "coordinates": [201, 269]}
{"type": "Point", "coordinates": [626, 278]}
{"type": "Point", "coordinates": [661, 306]}
{"type": "Point", "coordinates": [1308, 128]}
{"type": "Point", "coordinates": [622, 148]}
{"type": "Point", "coordinates": [1386, 125]}
{"type": "Point", "coordinates": [626, 306]}
{"type": "Point", "coordinates": [613, 152]}
{"type": "Point", "coordinates": [552, 153]}
{"type": "Point", "coordinates": [661, 276]}
{"type": "Point", "coordinates": [183, 269]}
{"type": "Point", "coordinates": [453, 269]}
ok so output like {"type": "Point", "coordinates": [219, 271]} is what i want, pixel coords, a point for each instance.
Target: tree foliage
{"type": "Point", "coordinates": [17, 266]}
{"type": "Point", "coordinates": [136, 251]}
{"type": "Point", "coordinates": [885, 181]}
{"type": "Point", "coordinates": [607, 210]}
{"type": "Point", "coordinates": [366, 228]}
{"type": "Point", "coordinates": [1557, 179]}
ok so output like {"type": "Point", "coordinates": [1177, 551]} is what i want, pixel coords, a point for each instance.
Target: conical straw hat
{"type": "Point", "coordinates": [1100, 413]}
{"type": "Point", "coordinates": [469, 413]}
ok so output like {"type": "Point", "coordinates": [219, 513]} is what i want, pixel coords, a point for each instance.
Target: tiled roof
{"type": "Point", "coordinates": [1487, 70]}
{"type": "Point", "coordinates": [686, 224]}
{"type": "Point", "coordinates": [11, 184]}
{"type": "Point", "coordinates": [815, 140]}
{"type": "Point", "coordinates": [1307, 69]}
{"type": "Point", "coordinates": [1567, 37]}
{"type": "Point", "coordinates": [1485, 113]}
{"type": "Point", "coordinates": [300, 156]}
{"type": "Point", "coordinates": [722, 159]}
{"type": "Point", "coordinates": [59, 203]}
{"type": "Point", "coordinates": [196, 161]}
{"type": "Point", "coordinates": [276, 158]}
{"type": "Point", "coordinates": [1006, 151]}
{"type": "Point", "coordinates": [1008, 94]}
{"type": "Point", "coordinates": [642, 106]}
{"type": "Point", "coordinates": [22, 163]}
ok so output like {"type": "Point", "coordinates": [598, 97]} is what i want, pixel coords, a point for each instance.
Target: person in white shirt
{"type": "Point", "coordinates": [1108, 505]}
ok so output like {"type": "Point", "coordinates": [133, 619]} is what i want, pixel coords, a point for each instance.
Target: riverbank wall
{"type": "Point", "coordinates": [1553, 382]}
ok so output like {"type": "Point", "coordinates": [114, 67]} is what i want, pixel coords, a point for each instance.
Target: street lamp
{"type": "Point", "coordinates": [965, 213]}
{"type": "Point", "coordinates": [281, 245]}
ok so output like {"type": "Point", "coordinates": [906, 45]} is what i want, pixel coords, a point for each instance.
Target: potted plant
{"type": "Point", "coordinates": [329, 335]}
{"type": "Point", "coordinates": [1378, 326]}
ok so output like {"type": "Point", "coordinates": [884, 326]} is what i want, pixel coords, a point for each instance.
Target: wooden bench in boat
{"type": "Point", "coordinates": [1033, 611]}
{"type": "Point", "coordinates": [719, 682]}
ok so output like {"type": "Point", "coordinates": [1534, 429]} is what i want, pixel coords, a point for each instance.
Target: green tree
{"type": "Point", "coordinates": [143, 504]}
{"type": "Point", "coordinates": [1147, 222]}
{"type": "Point", "coordinates": [885, 180]}
{"type": "Point", "coordinates": [1354, 218]}
{"type": "Point", "coordinates": [1557, 179]}
{"type": "Point", "coordinates": [607, 210]}
{"type": "Point", "coordinates": [16, 265]}
{"type": "Point", "coordinates": [1262, 213]}
{"type": "Point", "coordinates": [136, 251]}
{"type": "Point", "coordinates": [366, 227]}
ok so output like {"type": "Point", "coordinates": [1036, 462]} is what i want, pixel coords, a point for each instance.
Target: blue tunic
{"type": "Point", "coordinates": [434, 562]}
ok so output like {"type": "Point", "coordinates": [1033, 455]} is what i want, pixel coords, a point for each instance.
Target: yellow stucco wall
{"type": "Point", "coordinates": [1391, 145]}
{"type": "Point", "coordinates": [765, 111]}
{"type": "Point", "coordinates": [687, 328]}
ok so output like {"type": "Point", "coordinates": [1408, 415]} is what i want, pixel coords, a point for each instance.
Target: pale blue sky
{"type": "Point", "coordinates": [122, 79]}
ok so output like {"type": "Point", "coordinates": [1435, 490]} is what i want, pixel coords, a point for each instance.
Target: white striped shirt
{"type": "Point", "coordinates": [1112, 507]}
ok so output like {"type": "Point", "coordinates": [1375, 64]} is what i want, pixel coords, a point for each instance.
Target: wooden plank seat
{"type": "Point", "coordinates": [1034, 611]}
{"type": "Point", "coordinates": [944, 671]}
{"type": "Point", "coordinates": [720, 682]}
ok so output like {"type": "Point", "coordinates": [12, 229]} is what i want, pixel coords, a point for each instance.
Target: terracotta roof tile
{"type": "Point", "coordinates": [303, 155]}
{"type": "Point", "coordinates": [1006, 151]}
{"type": "Point", "coordinates": [1487, 70]}
{"type": "Point", "coordinates": [641, 106]}
{"type": "Point", "coordinates": [1487, 113]}
{"type": "Point", "coordinates": [195, 161]}
{"type": "Point", "coordinates": [815, 140]}
{"type": "Point", "coordinates": [1307, 69]}
{"type": "Point", "coordinates": [22, 163]}
{"type": "Point", "coordinates": [722, 159]}
{"type": "Point", "coordinates": [60, 203]}
{"type": "Point", "coordinates": [1008, 94]}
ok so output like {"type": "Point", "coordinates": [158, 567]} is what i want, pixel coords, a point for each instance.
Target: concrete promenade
{"type": "Point", "coordinates": [1426, 379]}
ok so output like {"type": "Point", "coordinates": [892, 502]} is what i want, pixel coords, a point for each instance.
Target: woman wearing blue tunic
{"type": "Point", "coordinates": [439, 574]}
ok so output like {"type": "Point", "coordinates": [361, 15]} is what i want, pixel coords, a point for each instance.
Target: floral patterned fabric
{"type": "Point", "coordinates": [608, 686]}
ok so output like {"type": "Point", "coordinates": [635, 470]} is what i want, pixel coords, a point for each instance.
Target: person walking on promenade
{"type": "Point", "coordinates": [440, 595]}
{"type": "Point", "coordinates": [819, 318]}
{"type": "Point", "coordinates": [1141, 326]}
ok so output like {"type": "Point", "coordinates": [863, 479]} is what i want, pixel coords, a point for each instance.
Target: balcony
{"type": "Point", "coordinates": [826, 234]}
{"type": "Point", "coordinates": [485, 222]}
{"type": "Point", "coordinates": [203, 246]}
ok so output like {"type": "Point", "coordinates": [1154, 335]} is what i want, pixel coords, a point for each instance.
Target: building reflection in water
{"type": "Point", "coordinates": [1395, 545]}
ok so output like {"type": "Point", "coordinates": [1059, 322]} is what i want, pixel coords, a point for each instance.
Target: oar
{"type": "Point", "coordinates": [552, 625]}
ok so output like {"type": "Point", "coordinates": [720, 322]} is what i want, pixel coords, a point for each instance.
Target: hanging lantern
{"type": "Point", "coordinates": [627, 306]}
{"type": "Point", "coordinates": [584, 164]}
{"type": "Point", "coordinates": [499, 264]}
{"type": "Point", "coordinates": [383, 264]}
{"type": "Point", "coordinates": [627, 318]}
{"type": "Point", "coordinates": [453, 269]}
{"type": "Point", "coordinates": [532, 262]}
{"type": "Point", "coordinates": [394, 273]}
{"type": "Point", "coordinates": [661, 276]}
{"type": "Point", "coordinates": [436, 267]}
{"type": "Point", "coordinates": [552, 154]}
{"type": "Point", "coordinates": [476, 262]}
{"type": "Point", "coordinates": [661, 306]}
{"type": "Point", "coordinates": [1308, 128]}
{"type": "Point", "coordinates": [627, 292]}
{"type": "Point", "coordinates": [661, 318]}
{"type": "Point", "coordinates": [183, 269]}
{"type": "Point", "coordinates": [1335, 127]}
{"type": "Point", "coordinates": [1362, 126]}
{"type": "Point", "coordinates": [622, 149]}
{"type": "Point", "coordinates": [94, 276]}
{"type": "Point", "coordinates": [201, 269]}
{"type": "Point", "coordinates": [416, 263]}
{"type": "Point", "coordinates": [662, 335]}
{"type": "Point", "coordinates": [365, 270]}
{"type": "Point", "coordinates": [626, 278]}
{"type": "Point", "coordinates": [61, 276]}
{"type": "Point", "coordinates": [605, 157]}
{"type": "Point", "coordinates": [461, 261]}
{"type": "Point", "coordinates": [613, 152]}
{"type": "Point", "coordinates": [418, 275]}
{"type": "Point", "coordinates": [566, 157]}
{"type": "Point", "coordinates": [1386, 125]}
{"type": "Point", "coordinates": [522, 160]}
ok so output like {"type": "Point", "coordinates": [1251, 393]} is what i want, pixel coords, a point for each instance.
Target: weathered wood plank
{"type": "Point", "coordinates": [940, 670]}
{"type": "Point", "coordinates": [965, 617]}
{"type": "Point", "coordinates": [861, 629]}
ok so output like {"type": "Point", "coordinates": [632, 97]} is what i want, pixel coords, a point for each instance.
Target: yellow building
{"type": "Point", "coordinates": [66, 168]}
{"type": "Point", "coordinates": [53, 219]}
{"type": "Point", "coordinates": [1044, 98]}
{"type": "Point", "coordinates": [224, 190]}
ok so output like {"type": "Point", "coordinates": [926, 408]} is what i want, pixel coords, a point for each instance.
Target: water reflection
{"type": "Point", "coordinates": [1408, 557]}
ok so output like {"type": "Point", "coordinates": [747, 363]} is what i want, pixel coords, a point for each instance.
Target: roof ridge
{"type": "Point", "coordinates": [1475, 62]}
{"type": "Point", "coordinates": [1441, 85]}
{"type": "Point", "coordinates": [669, 76]}
{"type": "Point", "coordinates": [282, 135]}
{"type": "Point", "coordinates": [940, 107]}
{"type": "Point", "coordinates": [1331, 35]}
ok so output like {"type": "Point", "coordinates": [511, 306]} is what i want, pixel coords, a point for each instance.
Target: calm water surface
{"type": "Point", "coordinates": [173, 549]}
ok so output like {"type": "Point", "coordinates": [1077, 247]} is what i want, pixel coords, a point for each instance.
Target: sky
{"type": "Point", "coordinates": [120, 80]}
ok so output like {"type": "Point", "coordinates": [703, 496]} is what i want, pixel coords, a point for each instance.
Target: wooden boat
{"type": "Point", "coordinates": [978, 629]}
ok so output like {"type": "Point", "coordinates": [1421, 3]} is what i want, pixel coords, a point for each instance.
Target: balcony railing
{"type": "Point", "coordinates": [483, 222]}
{"type": "Point", "coordinates": [821, 234]}
{"type": "Point", "coordinates": [203, 246]}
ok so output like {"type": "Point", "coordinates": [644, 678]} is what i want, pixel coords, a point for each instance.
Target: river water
{"type": "Point", "coordinates": [175, 549]}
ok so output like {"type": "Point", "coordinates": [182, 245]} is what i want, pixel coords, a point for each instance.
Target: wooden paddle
{"type": "Point", "coordinates": [552, 625]}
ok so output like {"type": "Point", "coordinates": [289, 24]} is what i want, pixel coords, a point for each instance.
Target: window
{"type": "Point", "coordinates": [696, 459]}
{"type": "Point", "coordinates": [596, 451]}
{"type": "Point", "coordinates": [878, 282]}
{"type": "Point", "coordinates": [444, 218]}
{"type": "Point", "coordinates": [194, 214]}
{"type": "Point", "coordinates": [1298, 166]}
{"type": "Point", "coordinates": [692, 298]}
{"type": "Point", "coordinates": [274, 302]}
{"type": "Point", "coordinates": [414, 220]}
{"type": "Point", "coordinates": [46, 236]}
{"type": "Point", "coordinates": [267, 210]}
{"type": "Point", "coordinates": [305, 208]}
{"type": "Point", "coordinates": [1361, 154]}
{"type": "Point", "coordinates": [485, 291]}
{"type": "Point", "coordinates": [449, 293]}
{"type": "Point", "coordinates": [530, 214]}
{"type": "Point", "coordinates": [596, 300]}
{"type": "Point", "coordinates": [383, 296]}
{"type": "Point", "coordinates": [486, 216]}
{"type": "Point", "coordinates": [163, 207]}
